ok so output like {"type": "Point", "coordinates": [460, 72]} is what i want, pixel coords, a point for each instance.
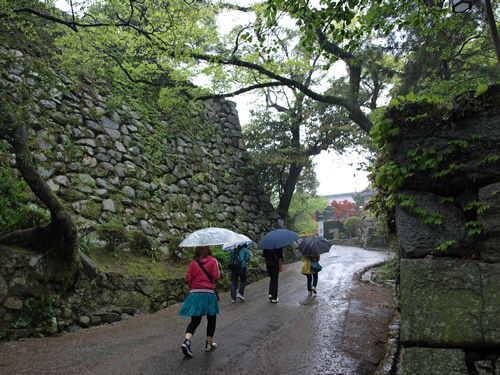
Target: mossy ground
{"type": "Point", "coordinates": [131, 264]}
{"type": "Point", "coordinates": [387, 271]}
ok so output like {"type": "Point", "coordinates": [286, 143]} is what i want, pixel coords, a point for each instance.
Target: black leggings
{"type": "Point", "coordinates": [312, 279]}
{"type": "Point", "coordinates": [195, 322]}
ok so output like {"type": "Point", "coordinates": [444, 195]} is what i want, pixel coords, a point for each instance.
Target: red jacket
{"type": "Point", "coordinates": [197, 279]}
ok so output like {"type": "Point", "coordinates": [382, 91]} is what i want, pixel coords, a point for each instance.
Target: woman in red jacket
{"type": "Point", "coordinates": [202, 300]}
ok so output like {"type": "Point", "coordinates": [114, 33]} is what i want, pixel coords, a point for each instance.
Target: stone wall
{"type": "Point", "coordinates": [106, 298]}
{"type": "Point", "coordinates": [449, 296]}
{"type": "Point", "coordinates": [107, 162]}
{"type": "Point", "coordinates": [99, 161]}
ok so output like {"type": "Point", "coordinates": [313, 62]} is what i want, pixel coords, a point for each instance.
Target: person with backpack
{"type": "Point", "coordinates": [238, 259]}
{"type": "Point", "coordinates": [202, 299]}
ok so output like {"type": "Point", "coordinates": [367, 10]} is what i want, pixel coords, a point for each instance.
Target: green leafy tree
{"type": "Point", "coordinates": [354, 226]}
{"type": "Point", "coordinates": [302, 208]}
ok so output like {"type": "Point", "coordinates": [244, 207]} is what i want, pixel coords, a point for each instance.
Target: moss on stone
{"type": "Point", "coordinates": [91, 210]}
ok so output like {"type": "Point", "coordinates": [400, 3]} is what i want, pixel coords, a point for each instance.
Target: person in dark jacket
{"type": "Point", "coordinates": [239, 274]}
{"type": "Point", "coordinates": [273, 259]}
{"type": "Point", "coordinates": [202, 299]}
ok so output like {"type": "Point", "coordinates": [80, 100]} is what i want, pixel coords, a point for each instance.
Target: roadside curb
{"type": "Point", "coordinates": [391, 364]}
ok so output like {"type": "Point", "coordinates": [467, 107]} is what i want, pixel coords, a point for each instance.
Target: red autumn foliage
{"type": "Point", "coordinates": [344, 209]}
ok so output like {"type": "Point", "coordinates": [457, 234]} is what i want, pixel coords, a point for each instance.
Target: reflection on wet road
{"type": "Point", "coordinates": [300, 334]}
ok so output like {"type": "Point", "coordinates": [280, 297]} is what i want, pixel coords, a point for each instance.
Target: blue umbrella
{"type": "Point", "coordinates": [277, 239]}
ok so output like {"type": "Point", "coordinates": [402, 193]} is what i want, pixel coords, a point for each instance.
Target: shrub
{"type": "Point", "coordinates": [354, 225]}
{"type": "Point", "coordinates": [221, 256]}
{"type": "Point", "coordinates": [139, 242]}
{"type": "Point", "coordinates": [174, 252]}
{"type": "Point", "coordinates": [114, 234]}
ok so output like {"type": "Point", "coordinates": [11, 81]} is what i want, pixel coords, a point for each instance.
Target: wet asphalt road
{"type": "Point", "coordinates": [298, 335]}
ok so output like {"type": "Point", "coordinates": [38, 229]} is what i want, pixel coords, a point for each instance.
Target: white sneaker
{"type": "Point", "coordinates": [241, 297]}
{"type": "Point", "coordinates": [275, 300]}
{"type": "Point", "coordinates": [211, 347]}
{"type": "Point", "coordinates": [233, 301]}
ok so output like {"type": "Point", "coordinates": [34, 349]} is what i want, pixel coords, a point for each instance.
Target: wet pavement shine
{"type": "Point", "coordinates": [341, 330]}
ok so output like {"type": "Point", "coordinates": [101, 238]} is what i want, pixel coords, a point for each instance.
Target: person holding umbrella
{"type": "Point", "coordinates": [273, 259]}
{"type": "Point", "coordinates": [202, 298]}
{"type": "Point", "coordinates": [311, 248]}
{"type": "Point", "coordinates": [273, 243]}
{"type": "Point", "coordinates": [312, 276]}
{"type": "Point", "coordinates": [239, 272]}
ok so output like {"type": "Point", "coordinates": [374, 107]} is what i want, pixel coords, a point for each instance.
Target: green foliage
{"type": "Point", "coordinates": [37, 313]}
{"type": "Point", "coordinates": [221, 256]}
{"type": "Point", "coordinates": [174, 251]}
{"type": "Point", "coordinates": [474, 228]}
{"type": "Point", "coordinates": [141, 243]}
{"type": "Point", "coordinates": [445, 245]}
{"type": "Point", "coordinates": [254, 263]}
{"type": "Point", "coordinates": [85, 243]}
{"type": "Point", "coordinates": [304, 205]}
{"type": "Point", "coordinates": [114, 234]}
{"type": "Point", "coordinates": [354, 226]}
{"type": "Point", "coordinates": [381, 230]}
{"type": "Point", "coordinates": [15, 214]}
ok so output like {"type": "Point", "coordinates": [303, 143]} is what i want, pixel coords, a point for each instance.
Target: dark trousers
{"type": "Point", "coordinates": [312, 279]}
{"type": "Point", "coordinates": [236, 275]}
{"type": "Point", "coordinates": [196, 320]}
{"type": "Point", "coordinates": [274, 271]}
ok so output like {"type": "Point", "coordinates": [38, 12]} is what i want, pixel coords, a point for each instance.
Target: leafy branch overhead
{"type": "Point", "coordinates": [170, 44]}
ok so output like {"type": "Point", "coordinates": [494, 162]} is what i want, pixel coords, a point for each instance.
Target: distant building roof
{"type": "Point", "coordinates": [339, 197]}
{"type": "Point", "coordinates": [366, 194]}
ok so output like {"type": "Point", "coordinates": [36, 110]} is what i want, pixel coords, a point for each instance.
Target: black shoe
{"type": "Point", "coordinates": [186, 348]}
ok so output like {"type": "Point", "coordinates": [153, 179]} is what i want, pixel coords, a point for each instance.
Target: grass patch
{"type": "Point", "coordinates": [387, 271]}
{"type": "Point", "coordinates": [135, 265]}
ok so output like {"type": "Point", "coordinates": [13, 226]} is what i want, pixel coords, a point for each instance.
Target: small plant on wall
{"type": "Point", "coordinates": [36, 314]}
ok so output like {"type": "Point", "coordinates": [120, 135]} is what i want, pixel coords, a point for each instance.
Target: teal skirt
{"type": "Point", "coordinates": [197, 304]}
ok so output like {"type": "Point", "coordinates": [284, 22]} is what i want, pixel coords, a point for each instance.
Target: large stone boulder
{"type": "Point", "coordinates": [489, 242]}
{"type": "Point", "coordinates": [450, 303]}
{"type": "Point", "coordinates": [416, 238]}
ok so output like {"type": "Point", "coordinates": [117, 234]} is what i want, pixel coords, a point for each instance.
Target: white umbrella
{"type": "Point", "coordinates": [211, 237]}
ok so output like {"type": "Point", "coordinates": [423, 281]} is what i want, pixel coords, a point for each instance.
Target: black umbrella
{"type": "Point", "coordinates": [314, 246]}
{"type": "Point", "coordinates": [277, 239]}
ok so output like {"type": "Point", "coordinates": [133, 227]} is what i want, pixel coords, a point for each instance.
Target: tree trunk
{"type": "Point", "coordinates": [288, 189]}
{"type": "Point", "coordinates": [57, 240]}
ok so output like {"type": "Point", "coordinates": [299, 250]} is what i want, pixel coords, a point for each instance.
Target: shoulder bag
{"type": "Point", "coordinates": [315, 266]}
{"type": "Point", "coordinates": [209, 277]}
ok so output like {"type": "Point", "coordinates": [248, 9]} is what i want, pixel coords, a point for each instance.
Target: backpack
{"type": "Point", "coordinates": [235, 261]}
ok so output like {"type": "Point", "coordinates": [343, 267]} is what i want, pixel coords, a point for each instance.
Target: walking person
{"type": "Point", "coordinates": [273, 264]}
{"type": "Point", "coordinates": [239, 273]}
{"type": "Point", "coordinates": [202, 298]}
{"type": "Point", "coordinates": [312, 276]}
